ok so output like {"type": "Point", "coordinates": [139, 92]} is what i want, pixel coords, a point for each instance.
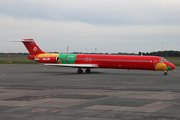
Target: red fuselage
{"type": "Point", "coordinates": [122, 61]}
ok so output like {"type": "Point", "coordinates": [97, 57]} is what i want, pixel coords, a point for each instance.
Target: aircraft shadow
{"type": "Point", "coordinates": [96, 73]}
{"type": "Point", "coordinates": [68, 73]}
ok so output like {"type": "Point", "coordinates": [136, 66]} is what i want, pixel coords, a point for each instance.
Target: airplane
{"type": "Point", "coordinates": [89, 61]}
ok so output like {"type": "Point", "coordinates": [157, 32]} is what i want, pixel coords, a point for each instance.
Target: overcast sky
{"type": "Point", "coordinates": [108, 25]}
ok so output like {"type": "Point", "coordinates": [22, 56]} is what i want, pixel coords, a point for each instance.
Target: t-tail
{"type": "Point", "coordinates": [32, 47]}
{"type": "Point", "coordinates": [37, 54]}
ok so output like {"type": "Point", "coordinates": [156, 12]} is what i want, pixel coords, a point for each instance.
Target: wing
{"type": "Point", "coordinates": [75, 65]}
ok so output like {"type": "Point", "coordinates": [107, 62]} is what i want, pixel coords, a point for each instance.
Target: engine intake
{"type": "Point", "coordinates": [48, 59]}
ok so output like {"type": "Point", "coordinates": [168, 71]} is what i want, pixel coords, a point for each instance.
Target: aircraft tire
{"type": "Point", "coordinates": [165, 73]}
{"type": "Point", "coordinates": [80, 71]}
{"type": "Point", "coordinates": [88, 70]}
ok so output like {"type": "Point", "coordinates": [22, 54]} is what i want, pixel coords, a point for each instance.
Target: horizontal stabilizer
{"type": "Point", "coordinates": [75, 65]}
{"type": "Point", "coordinates": [26, 41]}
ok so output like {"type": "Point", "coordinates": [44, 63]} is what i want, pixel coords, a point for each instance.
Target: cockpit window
{"type": "Point", "coordinates": [163, 60]}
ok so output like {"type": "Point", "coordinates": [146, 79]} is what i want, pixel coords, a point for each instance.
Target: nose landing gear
{"type": "Point", "coordinates": [165, 73]}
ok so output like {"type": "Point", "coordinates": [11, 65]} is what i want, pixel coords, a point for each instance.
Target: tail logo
{"type": "Point", "coordinates": [35, 48]}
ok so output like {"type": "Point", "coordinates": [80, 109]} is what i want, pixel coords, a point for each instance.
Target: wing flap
{"type": "Point", "coordinates": [75, 65]}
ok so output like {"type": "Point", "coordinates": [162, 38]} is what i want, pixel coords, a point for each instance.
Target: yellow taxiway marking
{"type": "Point", "coordinates": [152, 107]}
{"type": "Point", "coordinates": [35, 68]}
{"type": "Point", "coordinates": [2, 74]}
{"type": "Point", "coordinates": [45, 81]}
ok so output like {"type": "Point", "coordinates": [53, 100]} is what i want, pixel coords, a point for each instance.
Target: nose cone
{"type": "Point", "coordinates": [170, 66]}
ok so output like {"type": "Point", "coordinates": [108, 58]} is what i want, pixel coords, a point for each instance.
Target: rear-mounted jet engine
{"type": "Point", "coordinates": [48, 59]}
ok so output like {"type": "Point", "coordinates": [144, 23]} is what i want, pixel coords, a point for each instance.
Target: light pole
{"type": "Point", "coordinates": [162, 49]}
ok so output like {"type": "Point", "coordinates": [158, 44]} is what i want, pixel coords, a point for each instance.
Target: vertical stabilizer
{"type": "Point", "coordinates": [32, 46]}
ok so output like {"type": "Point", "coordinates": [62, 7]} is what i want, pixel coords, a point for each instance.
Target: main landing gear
{"type": "Point", "coordinates": [88, 70]}
{"type": "Point", "coordinates": [80, 71]}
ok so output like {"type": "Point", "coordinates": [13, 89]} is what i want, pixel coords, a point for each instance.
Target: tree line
{"type": "Point", "coordinates": [169, 53]}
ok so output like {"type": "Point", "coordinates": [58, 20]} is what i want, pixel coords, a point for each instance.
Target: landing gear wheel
{"type": "Point", "coordinates": [165, 73]}
{"type": "Point", "coordinates": [88, 70]}
{"type": "Point", "coordinates": [80, 71]}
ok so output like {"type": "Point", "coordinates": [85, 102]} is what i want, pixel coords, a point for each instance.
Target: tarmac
{"type": "Point", "coordinates": [38, 92]}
